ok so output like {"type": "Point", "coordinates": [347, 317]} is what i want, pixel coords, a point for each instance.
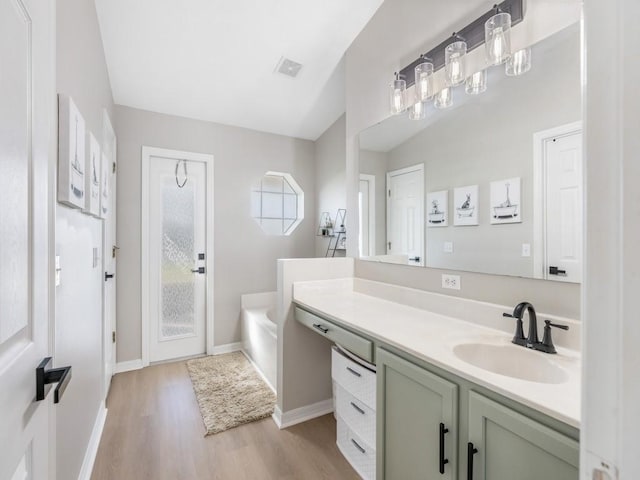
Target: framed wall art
{"type": "Point", "coordinates": [71, 154]}
{"type": "Point", "coordinates": [465, 205]}
{"type": "Point", "coordinates": [505, 201]}
{"type": "Point", "coordinates": [93, 175]}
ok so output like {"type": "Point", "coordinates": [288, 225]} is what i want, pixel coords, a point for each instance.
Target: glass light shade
{"type": "Point", "coordinates": [417, 111]}
{"type": "Point", "coordinates": [398, 97]}
{"type": "Point", "coordinates": [424, 81]}
{"type": "Point", "coordinates": [476, 83]}
{"type": "Point", "coordinates": [454, 62]}
{"type": "Point", "coordinates": [497, 38]}
{"type": "Point", "coordinates": [443, 98]}
{"type": "Point", "coordinates": [519, 63]}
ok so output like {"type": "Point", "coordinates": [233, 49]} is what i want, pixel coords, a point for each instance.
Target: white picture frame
{"type": "Point", "coordinates": [465, 205]}
{"type": "Point", "coordinates": [93, 177]}
{"type": "Point", "coordinates": [71, 154]}
{"type": "Point", "coordinates": [105, 184]}
{"type": "Point", "coordinates": [505, 201]}
{"type": "Point", "coordinates": [438, 209]}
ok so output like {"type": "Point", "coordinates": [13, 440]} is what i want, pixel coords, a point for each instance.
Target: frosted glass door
{"type": "Point", "coordinates": [177, 258]}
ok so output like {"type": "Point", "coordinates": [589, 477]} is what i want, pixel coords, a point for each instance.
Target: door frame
{"type": "Point", "coordinates": [371, 181]}
{"type": "Point", "coordinates": [401, 171]}
{"type": "Point", "coordinates": [207, 159]}
{"type": "Point", "coordinates": [540, 140]}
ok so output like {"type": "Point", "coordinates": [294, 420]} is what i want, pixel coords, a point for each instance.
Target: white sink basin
{"type": "Point", "coordinates": [512, 361]}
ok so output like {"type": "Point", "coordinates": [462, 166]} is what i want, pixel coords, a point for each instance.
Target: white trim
{"type": "Point", "coordinates": [94, 443]}
{"type": "Point", "coordinates": [207, 159]}
{"type": "Point", "coordinates": [403, 171]}
{"type": "Point", "coordinates": [371, 180]}
{"type": "Point", "coordinates": [122, 367]}
{"type": "Point", "coordinates": [302, 414]}
{"type": "Point", "coordinates": [227, 348]}
{"type": "Point", "coordinates": [539, 195]}
{"type": "Point", "coordinates": [257, 369]}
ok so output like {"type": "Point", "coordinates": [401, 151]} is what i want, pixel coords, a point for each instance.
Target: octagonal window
{"type": "Point", "coordinates": [277, 203]}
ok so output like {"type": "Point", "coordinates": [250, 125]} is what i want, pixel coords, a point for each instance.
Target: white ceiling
{"type": "Point", "coordinates": [215, 59]}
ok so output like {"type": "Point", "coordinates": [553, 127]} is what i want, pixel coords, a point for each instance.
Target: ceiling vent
{"type": "Point", "coordinates": [288, 67]}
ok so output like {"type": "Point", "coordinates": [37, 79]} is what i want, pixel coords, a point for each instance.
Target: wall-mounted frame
{"type": "Point", "coordinates": [438, 209]}
{"type": "Point", "coordinates": [505, 201]}
{"type": "Point", "coordinates": [465, 205]}
{"type": "Point", "coordinates": [71, 153]}
{"type": "Point", "coordinates": [92, 177]}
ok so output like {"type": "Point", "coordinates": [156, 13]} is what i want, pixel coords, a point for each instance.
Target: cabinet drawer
{"type": "Point", "coordinates": [354, 378]}
{"type": "Point", "coordinates": [360, 418]}
{"type": "Point", "coordinates": [352, 342]}
{"type": "Point", "coordinates": [358, 453]}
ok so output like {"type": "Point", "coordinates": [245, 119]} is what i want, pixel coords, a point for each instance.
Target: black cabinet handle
{"type": "Point", "coordinates": [321, 328]}
{"type": "Point", "coordinates": [46, 375]}
{"type": "Point", "coordinates": [443, 461]}
{"type": "Point", "coordinates": [357, 374]}
{"type": "Point", "coordinates": [357, 445]}
{"type": "Point", "coordinates": [107, 276]}
{"type": "Point", "coordinates": [471, 451]}
{"type": "Point", "coordinates": [357, 408]}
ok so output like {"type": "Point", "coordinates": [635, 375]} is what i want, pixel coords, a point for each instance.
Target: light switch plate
{"type": "Point", "coordinates": [526, 249]}
{"type": "Point", "coordinates": [58, 270]}
{"type": "Point", "coordinates": [447, 247]}
{"type": "Point", "coordinates": [451, 281]}
{"type": "Point", "coordinates": [96, 258]}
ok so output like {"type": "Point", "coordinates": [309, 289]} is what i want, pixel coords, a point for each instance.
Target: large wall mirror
{"type": "Point", "coordinates": [492, 184]}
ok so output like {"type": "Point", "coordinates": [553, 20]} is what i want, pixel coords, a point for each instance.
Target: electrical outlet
{"type": "Point", "coordinates": [447, 247]}
{"type": "Point", "coordinates": [451, 281]}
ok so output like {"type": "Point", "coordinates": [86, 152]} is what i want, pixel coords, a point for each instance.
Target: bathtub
{"type": "Point", "coordinates": [260, 333]}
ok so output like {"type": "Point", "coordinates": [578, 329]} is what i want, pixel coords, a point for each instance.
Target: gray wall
{"type": "Point", "coordinates": [331, 195]}
{"type": "Point", "coordinates": [82, 74]}
{"type": "Point", "coordinates": [375, 163]}
{"type": "Point", "coordinates": [245, 257]}
{"type": "Point", "coordinates": [490, 138]}
{"type": "Point", "coordinates": [396, 33]}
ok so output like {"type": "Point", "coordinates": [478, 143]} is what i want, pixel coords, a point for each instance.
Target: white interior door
{"type": "Point", "coordinates": [405, 213]}
{"type": "Point", "coordinates": [366, 215]}
{"type": "Point", "coordinates": [27, 146]}
{"type": "Point", "coordinates": [109, 152]}
{"type": "Point", "coordinates": [177, 258]}
{"type": "Point", "coordinates": [563, 207]}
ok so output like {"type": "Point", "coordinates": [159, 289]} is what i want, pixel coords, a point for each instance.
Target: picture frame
{"type": "Point", "coordinates": [465, 205]}
{"type": "Point", "coordinates": [105, 184]}
{"type": "Point", "coordinates": [93, 177]}
{"type": "Point", "coordinates": [438, 209]}
{"type": "Point", "coordinates": [71, 154]}
{"type": "Point", "coordinates": [505, 201]}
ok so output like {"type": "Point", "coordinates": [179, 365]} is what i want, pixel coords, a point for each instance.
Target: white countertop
{"type": "Point", "coordinates": [432, 337]}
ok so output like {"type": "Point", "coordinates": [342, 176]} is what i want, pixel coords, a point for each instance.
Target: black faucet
{"type": "Point", "coordinates": [532, 339]}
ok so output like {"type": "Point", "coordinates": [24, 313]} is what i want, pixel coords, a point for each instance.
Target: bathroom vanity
{"type": "Point", "coordinates": [454, 399]}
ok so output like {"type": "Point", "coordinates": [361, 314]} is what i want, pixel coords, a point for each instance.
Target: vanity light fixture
{"type": "Point", "coordinates": [398, 95]}
{"type": "Point", "coordinates": [424, 79]}
{"type": "Point", "coordinates": [476, 83]}
{"type": "Point", "coordinates": [497, 37]}
{"type": "Point", "coordinates": [519, 63]}
{"type": "Point", "coordinates": [443, 98]}
{"type": "Point", "coordinates": [455, 61]}
{"type": "Point", "coordinates": [417, 111]}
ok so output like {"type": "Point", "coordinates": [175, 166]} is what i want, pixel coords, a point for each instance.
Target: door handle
{"type": "Point", "coordinates": [199, 270]}
{"type": "Point", "coordinates": [46, 375]}
{"type": "Point", "coordinates": [108, 276]}
{"type": "Point", "coordinates": [414, 259]}
{"type": "Point", "coordinates": [557, 271]}
{"type": "Point", "coordinates": [471, 451]}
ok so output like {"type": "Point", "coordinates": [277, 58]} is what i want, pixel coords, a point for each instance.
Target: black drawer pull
{"type": "Point", "coordinates": [443, 461]}
{"type": "Point", "coordinates": [357, 408]}
{"type": "Point", "coordinates": [471, 451]}
{"type": "Point", "coordinates": [357, 374]}
{"type": "Point", "coordinates": [320, 327]}
{"type": "Point", "coordinates": [362, 450]}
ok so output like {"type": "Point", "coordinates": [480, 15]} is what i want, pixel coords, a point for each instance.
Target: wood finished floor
{"type": "Point", "coordinates": [154, 431]}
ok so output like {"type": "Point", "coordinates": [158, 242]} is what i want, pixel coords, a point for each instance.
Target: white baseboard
{"type": "Point", "coordinates": [94, 443]}
{"type": "Point", "coordinates": [128, 366]}
{"type": "Point", "coordinates": [228, 348]}
{"type": "Point", "coordinates": [257, 369]}
{"type": "Point", "coordinates": [302, 414]}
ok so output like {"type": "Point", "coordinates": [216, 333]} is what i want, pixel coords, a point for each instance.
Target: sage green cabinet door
{"type": "Point", "coordinates": [412, 403]}
{"type": "Point", "coordinates": [511, 446]}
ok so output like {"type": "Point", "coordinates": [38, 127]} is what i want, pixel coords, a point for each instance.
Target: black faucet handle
{"type": "Point", "coordinates": [505, 314]}
{"type": "Point", "coordinates": [518, 338]}
{"type": "Point", "coordinates": [556, 325]}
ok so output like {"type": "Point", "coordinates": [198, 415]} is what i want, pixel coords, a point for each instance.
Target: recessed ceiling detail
{"type": "Point", "coordinates": [214, 59]}
{"type": "Point", "coordinates": [288, 67]}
